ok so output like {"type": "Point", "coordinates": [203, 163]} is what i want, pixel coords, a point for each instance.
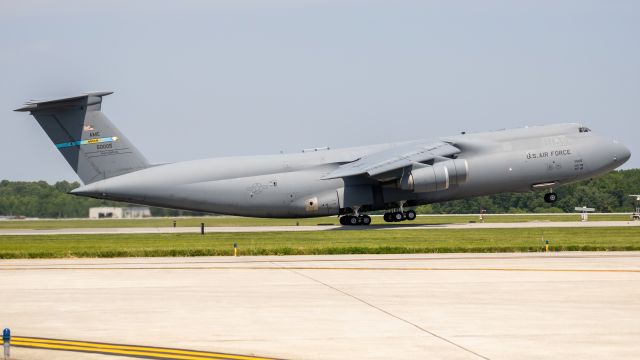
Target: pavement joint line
{"type": "Point", "coordinates": [293, 270]}
{"type": "Point", "coordinates": [327, 268]}
{"type": "Point", "coordinates": [146, 352]}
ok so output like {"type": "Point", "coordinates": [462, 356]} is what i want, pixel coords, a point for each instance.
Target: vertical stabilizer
{"type": "Point", "coordinates": [86, 138]}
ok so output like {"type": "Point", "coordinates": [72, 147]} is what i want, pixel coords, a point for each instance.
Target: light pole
{"type": "Point", "coordinates": [636, 214]}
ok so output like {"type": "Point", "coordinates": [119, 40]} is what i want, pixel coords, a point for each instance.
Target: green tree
{"type": "Point", "coordinates": [608, 193]}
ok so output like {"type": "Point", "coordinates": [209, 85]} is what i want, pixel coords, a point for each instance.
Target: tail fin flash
{"type": "Point", "coordinates": [86, 138]}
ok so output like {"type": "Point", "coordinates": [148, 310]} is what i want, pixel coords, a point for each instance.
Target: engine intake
{"type": "Point", "coordinates": [437, 177]}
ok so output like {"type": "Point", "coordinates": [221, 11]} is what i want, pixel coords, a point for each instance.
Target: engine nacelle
{"type": "Point", "coordinates": [437, 177]}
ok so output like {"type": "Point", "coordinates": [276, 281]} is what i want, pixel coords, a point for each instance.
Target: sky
{"type": "Point", "coordinates": [198, 79]}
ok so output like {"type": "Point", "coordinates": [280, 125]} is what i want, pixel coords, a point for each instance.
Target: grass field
{"type": "Point", "coordinates": [321, 242]}
{"type": "Point", "coordinates": [244, 221]}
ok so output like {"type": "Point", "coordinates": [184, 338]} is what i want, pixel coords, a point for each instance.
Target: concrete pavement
{"type": "Point", "coordinates": [453, 306]}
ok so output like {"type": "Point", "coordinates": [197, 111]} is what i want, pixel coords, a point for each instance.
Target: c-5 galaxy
{"type": "Point", "coordinates": [347, 182]}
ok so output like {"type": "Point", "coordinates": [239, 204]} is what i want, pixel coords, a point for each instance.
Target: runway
{"type": "Point", "coordinates": [249, 229]}
{"type": "Point", "coordinates": [436, 306]}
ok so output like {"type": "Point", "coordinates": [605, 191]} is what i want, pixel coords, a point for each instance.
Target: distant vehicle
{"type": "Point", "coordinates": [348, 182]}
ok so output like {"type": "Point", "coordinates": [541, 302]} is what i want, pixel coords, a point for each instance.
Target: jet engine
{"type": "Point", "coordinates": [436, 177]}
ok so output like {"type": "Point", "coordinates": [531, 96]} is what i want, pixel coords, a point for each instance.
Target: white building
{"type": "Point", "coordinates": [119, 212]}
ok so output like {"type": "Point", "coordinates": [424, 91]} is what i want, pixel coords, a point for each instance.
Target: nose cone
{"type": "Point", "coordinates": [622, 153]}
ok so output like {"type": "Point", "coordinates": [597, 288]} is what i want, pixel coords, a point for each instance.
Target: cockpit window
{"type": "Point", "coordinates": [584, 129]}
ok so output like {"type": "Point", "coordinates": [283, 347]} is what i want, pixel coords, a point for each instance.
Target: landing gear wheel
{"type": "Point", "coordinates": [387, 217]}
{"type": "Point", "coordinates": [352, 220]}
{"type": "Point", "coordinates": [343, 220]}
{"type": "Point", "coordinates": [410, 215]}
{"type": "Point", "coordinates": [397, 216]}
{"type": "Point", "coordinates": [550, 197]}
{"type": "Point", "coordinates": [365, 219]}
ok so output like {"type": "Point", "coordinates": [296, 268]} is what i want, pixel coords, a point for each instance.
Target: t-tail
{"type": "Point", "coordinates": [86, 138]}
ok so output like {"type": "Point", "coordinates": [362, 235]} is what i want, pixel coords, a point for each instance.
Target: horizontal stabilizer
{"type": "Point", "coordinates": [95, 98]}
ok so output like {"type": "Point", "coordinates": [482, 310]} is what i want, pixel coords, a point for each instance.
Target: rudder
{"type": "Point", "coordinates": [86, 138]}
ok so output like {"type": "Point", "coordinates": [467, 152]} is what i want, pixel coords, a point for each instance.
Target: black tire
{"type": "Point", "coordinates": [343, 220]}
{"type": "Point", "coordinates": [550, 198]}
{"type": "Point", "coordinates": [410, 215]}
{"type": "Point", "coordinates": [352, 220]}
{"type": "Point", "coordinates": [365, 220]}
{"type": "Point", "coordinates": [397, 216]}
{"type": "Point", "coordinates": [387, 217]}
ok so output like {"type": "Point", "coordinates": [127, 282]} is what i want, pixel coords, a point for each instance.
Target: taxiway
{"type": "Point", "coordinates": [453, 306]}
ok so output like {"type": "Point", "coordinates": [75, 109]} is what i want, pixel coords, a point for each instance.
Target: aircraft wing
{"type": "Point", "coordinates": [394, 158]}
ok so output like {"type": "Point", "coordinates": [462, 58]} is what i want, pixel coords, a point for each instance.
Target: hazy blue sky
{"type": "Point", "coordinates": [196, 79]}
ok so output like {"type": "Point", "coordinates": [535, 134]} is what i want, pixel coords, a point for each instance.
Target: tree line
{"type": "Point", "coordinates": [608, 193]}
{"type": "Point", "coordinates": [40, 199]}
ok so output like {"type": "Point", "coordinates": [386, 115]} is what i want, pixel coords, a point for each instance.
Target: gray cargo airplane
{"type": "Point", "coordinates": [347, 182]}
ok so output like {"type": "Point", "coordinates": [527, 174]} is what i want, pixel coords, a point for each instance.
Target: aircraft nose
{"type": "Point", "coordinates": [621, 153]}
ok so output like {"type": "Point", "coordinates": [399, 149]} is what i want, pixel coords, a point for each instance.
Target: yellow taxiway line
{"type": "Point", "coordinates": [146, 352]}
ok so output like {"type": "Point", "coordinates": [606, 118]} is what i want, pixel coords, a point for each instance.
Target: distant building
{"type": "Point", "coordinates": [119, 212]}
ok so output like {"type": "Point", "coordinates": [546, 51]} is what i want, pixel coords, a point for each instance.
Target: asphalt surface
{"type": "Point", "coordinates": [245, 229]}
{"type": "Point", "coordinates": [448, 306]}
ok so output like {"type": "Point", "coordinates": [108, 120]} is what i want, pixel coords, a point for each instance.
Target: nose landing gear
{"type": "Point", "coordinates": [550, 197]}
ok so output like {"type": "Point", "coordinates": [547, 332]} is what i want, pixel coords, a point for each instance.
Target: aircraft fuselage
{"type": "Point", "coordinates": [292, 185]}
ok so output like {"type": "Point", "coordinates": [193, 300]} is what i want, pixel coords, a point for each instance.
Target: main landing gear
{"type": "Point", "coordinates": [550, 197]}
{"type": "Point", "coordinates": [355, 220]}
{"type": "Point", "coordinates": [400, 214]}
{"type": "Point", "coordinates": [394, 216]}
{"type": "Point", "coordinates": [397, 216]}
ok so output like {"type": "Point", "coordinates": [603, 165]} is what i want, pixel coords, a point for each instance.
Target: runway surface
{"type": "Point", "coordinates": [144, 352]}
{"type": "Point", "coordinates": [141, 352]}
{"type": "Point", "coordinates": [245, 229]}
{"type": "Point", "coordinates": [449, 306]}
